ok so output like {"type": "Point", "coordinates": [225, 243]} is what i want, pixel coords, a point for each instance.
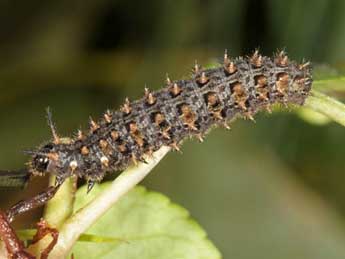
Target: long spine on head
{"type": "Point", "coordinates": [56, 138]}
{"type": "Point", "coordinates": [239, 87]}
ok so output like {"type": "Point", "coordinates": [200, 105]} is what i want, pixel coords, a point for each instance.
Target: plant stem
{"type": "Point", "coordinates": [77, 224]}
{"type": "Point", "coordinates": [60, 207]}
{"type": "Point", "coordinates": [327, 106]}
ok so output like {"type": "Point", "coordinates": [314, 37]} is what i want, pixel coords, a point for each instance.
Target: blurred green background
{"type": "Point", "coordinates": [274, 189]}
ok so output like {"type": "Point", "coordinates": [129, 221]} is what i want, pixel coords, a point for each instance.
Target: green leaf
{"type": "Point", "coordinates": [148, 225]}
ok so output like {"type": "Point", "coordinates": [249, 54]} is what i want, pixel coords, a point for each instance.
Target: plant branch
{"type": "Point", "coordinates": [327, 106]}
{"type": "Point", "coordinates": [60, 207]}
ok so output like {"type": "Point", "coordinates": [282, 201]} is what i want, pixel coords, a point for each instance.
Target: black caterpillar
{"type": "Point", "coordinates": [237, 88]}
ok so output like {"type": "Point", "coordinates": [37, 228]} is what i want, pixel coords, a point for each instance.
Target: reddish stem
{"type": "Point", "coordinates": [15, 247]}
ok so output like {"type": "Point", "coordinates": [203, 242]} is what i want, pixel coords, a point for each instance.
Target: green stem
{"type": "Point", "coordinates": [327, 106]}
{"type": "Point", "coordinates": [60, 207]}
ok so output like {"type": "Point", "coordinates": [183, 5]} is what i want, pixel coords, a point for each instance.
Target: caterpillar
{"type": "Point", "coordinates": [238, 87]}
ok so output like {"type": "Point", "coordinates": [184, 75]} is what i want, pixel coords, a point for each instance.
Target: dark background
{"type": "Point", "coordinates": [274, 189]}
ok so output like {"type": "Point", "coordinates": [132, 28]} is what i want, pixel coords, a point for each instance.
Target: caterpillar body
{"type": "Point", "coordinates": [238, 87]}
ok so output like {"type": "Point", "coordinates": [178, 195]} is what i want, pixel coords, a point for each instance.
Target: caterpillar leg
{"type": "Point", "coordinates": [34, 202]}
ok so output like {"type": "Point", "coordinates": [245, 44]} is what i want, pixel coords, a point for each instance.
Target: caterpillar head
{"type": "Point", "coordinates": [49, 158]}
{"type": "Point", "coordinates": [44, 160]}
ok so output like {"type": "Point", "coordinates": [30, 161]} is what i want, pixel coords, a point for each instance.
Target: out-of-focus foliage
{"type": "Point", "coordinates": [258, 189]}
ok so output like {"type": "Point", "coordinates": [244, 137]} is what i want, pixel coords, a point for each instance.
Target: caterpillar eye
{"type": "Point", "coordinates": [44, 160]}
